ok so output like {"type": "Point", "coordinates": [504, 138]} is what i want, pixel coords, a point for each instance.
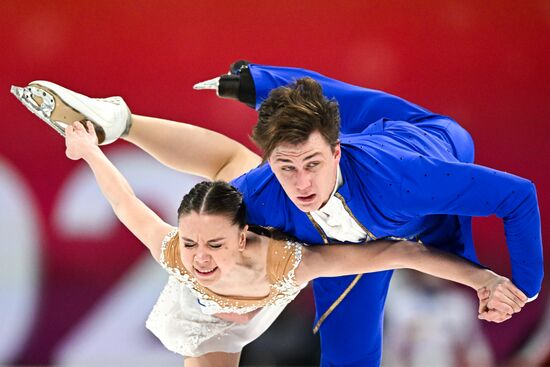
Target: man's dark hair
{"type": "Point", "coordinates": [291, 113]}
{"type": "Point", "coordinates": [215, 197]}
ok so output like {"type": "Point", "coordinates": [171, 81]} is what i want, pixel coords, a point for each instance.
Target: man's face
{"type": "Point", "coordinates": [306, 171]}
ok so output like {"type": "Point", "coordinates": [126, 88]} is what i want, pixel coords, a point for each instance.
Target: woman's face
{"type": "Point", "coordinates": [210, 246]}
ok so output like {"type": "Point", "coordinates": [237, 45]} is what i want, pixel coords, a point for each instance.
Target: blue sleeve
{"type": "Point", "coordinates": [254, 211]}
{"type": "Point", "coordinates": [434, 186]}
{"type": "Point", "coordinates": [359, 106]}
{"type": "Point", "coordinates": [240, 183]}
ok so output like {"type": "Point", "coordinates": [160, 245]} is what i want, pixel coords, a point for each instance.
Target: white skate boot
{"type": "Point", "coordinates": [59, 107]}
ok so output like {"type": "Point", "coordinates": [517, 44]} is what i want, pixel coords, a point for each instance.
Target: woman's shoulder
{"type": "Point", "coordinates": [210, 301]}
{"type": "Point", "coordinates": [283, 258]}
{"type": "Point", "coordinates": [169, 249]}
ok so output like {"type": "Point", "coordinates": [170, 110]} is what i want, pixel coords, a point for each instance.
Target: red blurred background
{"type": "Point", "coordinates": [484, 63]}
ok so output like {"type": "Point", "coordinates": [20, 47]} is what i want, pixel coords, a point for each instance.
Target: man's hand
{"type": "Point", "coordinates": [499, 299]}
{"type": "Point", "coordinates": [485, 313]}
{"type": "Point", "coordinates": [238, 318]}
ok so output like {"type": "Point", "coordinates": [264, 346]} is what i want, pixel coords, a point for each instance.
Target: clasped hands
{"type": "Point", "coordinates": [499, 300]}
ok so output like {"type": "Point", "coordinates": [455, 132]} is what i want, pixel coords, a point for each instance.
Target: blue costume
{"type": "Point", "coordinates": [407, 173]}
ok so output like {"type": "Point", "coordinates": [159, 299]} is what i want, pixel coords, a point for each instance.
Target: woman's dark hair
{"type": "Point", "coordinates": [215, 197]}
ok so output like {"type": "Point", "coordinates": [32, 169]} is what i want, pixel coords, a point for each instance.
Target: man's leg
{"type": "Point", "coordinates": [359, 107]}
{"type": "Point", "coordinates": [351, 335]}
{"type": "Point", "coordinates": [453, 134]}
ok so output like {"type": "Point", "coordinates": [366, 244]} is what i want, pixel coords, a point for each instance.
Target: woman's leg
{"type": "Point", "coordinates": [180, 146]}
{"type": "Point", "coordinates": [191, 148]}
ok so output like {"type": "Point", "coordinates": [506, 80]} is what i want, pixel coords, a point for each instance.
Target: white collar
{"type": "Point", "coordinates": [337, 185]}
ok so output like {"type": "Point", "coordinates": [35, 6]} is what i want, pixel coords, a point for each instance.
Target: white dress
{"type": "Point", "coordinates": [183, 317]}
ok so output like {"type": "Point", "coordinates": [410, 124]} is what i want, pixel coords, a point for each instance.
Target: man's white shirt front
{"type": "Point", "coordinates": [335, 220]}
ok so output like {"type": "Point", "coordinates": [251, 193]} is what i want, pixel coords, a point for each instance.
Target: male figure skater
{"type": "Point", "coordinates": [397, 170]}
{"type": "Point", "coordinates": [402, 171]}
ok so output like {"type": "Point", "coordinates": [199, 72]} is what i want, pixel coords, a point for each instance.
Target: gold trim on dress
{"type": "Point", "coordinates": [283, 258]}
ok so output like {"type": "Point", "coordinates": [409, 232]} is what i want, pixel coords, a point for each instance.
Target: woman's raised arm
{"type": "Point", "coordinates": [146, 225]}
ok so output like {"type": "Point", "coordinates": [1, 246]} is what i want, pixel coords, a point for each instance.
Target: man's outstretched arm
{"type": "Point", "coordinates": [433, 186]}
{"type": "Point", "coordinates": [192, 149]}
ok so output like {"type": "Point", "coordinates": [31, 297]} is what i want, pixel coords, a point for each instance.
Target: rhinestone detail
{"type": "Point", "coordinates": [283, 290]}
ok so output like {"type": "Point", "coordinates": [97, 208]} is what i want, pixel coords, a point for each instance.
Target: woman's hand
{"type": "Point", "coordinates": [79, 140]}
{"type": "Point", "coordinates": [499, 298]}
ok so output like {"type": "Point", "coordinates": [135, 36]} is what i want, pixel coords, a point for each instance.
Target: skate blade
{"type": "Point", "coordinates": [208, 84]}
{"type": "Point", "coordinates": [50, 108]}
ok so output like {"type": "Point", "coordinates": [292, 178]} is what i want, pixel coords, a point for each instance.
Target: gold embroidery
{"type": "Point", "coordinates": [336, 303]}
{"type": "Point", "coordinates": [370, 237]}
{"type": "Point", "coordinates": [369, 233]}
{"type": "Point", "coordinates": [318, 228]}
{"type": "Point", "coordinates": [283, 287]}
